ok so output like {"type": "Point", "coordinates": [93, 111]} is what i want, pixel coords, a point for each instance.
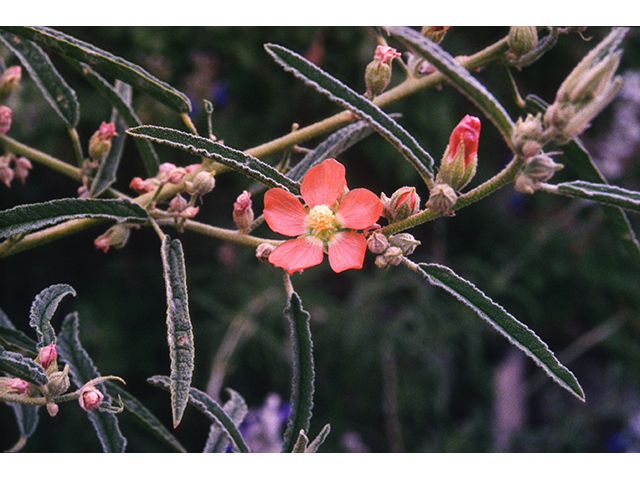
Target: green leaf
{"type": "Point", "coordinates": [333, 146]}
{"type": "Point", "coordinates": [236, 409]}
{"type": "Point", "coordinates": [144, 416]}
{"type": "Point", "coordinates": [82, 370]}
{"type": "Point", "coordinates": [361, 106]}
{"type": "Point", "coordinates": [120, 97]}
{"type": "Point", "coordinates": [601, 193]}
{"type": "Point", "coordinates": [42, 309]}
{"type": "Point", "coordinates": [26, 218]}
{"type": "Point", "coordinates": [18, 366]}
{"type": "Point", "coordinates": [303, 374]}
{"type": "Point", "coordinates": [235, 159]}
{"type": "Point", "coordinates": [319, 440]}
{"type": "Point", "coordinates": [106, 174]}
{"type": "Point", "coordinates": [105, 62]}
{"type": "Point", "coordinates": [15, 339]}
{"type": "Point", "coordinates": [517, 333]}
{"type": "Point", "coordinates": [26, 417]}
{"type": "Point", "coordinates": [458, 76]}
{"type": "Point", "coordinates": [180, 333]}
{"type": "Point", "coordinates": [211, 409]}
{"type": "Point", "coordinates": [56, 91]}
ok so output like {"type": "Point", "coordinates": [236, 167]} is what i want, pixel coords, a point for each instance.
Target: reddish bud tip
{"type": "Point", "coordinates": [467, 132]}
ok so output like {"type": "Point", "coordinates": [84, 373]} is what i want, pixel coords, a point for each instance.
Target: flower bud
{"type": "Point", "coordinates": [403, 203]}
{"type": "Point", "coordinates": [442, 198]}
{"type": "Point", "coordinates": [263, 251]}
{"type": "Point", "coordinates": [527, 135]}
{"type": "Point", "coordinates": [21, 168]}
{"type": "Point", "coordinates": [5, 119]}
{"type": "Point", "coordinates": [90, 398]}
{"type": "Point", "coordinates": [58, 382]}
{"type": "Point", "coordinates": [47, 355]}
{"type": "Point", "coordinates": [141, 186]}
{"type": "Point", "coordinates": [242, 212]}
{"type": "Point", "coordinates": [52, 409]}
{"type": "Point", "coordinates": [202, 183]}
{"type": "Point", "coordinates": [435, 34]}
{"type": "Point", "coordinates": [9, 81]}
{"type": "Point", "coordinates": [377, 242]}
{"type": "Point", "coordinates": [405, 242]}
{"type": "Point", "coordinates": [13, 385]}
{"type": "Point", "coordinates": [116, 237]}
{"type": "Point", "coordinates": [6, 172]}
{"type": "Point", "coordinates": [377, 75]}
{"type": "Point", "coordinates": [522, 40]}
{"type": "Point", "coordinates": [100, 141]}
{"type": "Point", "coordinates": [460, 159]}
{"type": "Point", "coordinates": [178, 204]}
{"type": "Point", "coordinates": [176, 175]}
{"type": "Point", "coordinates": [536, 170]}
{"type": "Point", "coordinates": [391, 256]}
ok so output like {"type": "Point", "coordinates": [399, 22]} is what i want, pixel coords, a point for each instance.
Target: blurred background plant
{"type": "Point", "coordinates": [399, 366]}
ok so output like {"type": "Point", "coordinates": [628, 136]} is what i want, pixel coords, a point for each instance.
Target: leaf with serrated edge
{"type": "Point", "coordinates": [363, 107]}
{"type": "Point", "coordinates": [179, 330]}
{"type": "Point", "coordinates": [56, 91]}
{"type": "Point", "coordinates": [517, 333]}
{"type": "Point", "coordinates": [30, 217]}
{"type": "Point", "coordinates": [42, 309]}
{"type": "Point", "coordinates": [25, 368]}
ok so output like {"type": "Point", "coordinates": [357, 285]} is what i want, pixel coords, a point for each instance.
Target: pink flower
{"type": "Point", "coordinates": [325, 224]}
{"type": "Point", "coordinates": [90, 398]}
{"type": "Point", "coordinates": [47, 355]}
{"type": "Point", "coordinates": [385, 54]}
{"type": "Point", "coordinates": [467, 132]}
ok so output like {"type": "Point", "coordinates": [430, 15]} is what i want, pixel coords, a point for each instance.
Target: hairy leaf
{"type": "Point", "coordinates": [236, 409]}
{"type": "Point", "coordinates": [42, 309]}
{"type": "Point", "coordinates": [18, 366]}
{"type": "Point", "coordinates": [26, 218]}
{"type": "Point", "coordinates": [235, 159]}
{"type": "Point", "coordinates": [303, 374]}
{"type": "Point", "coordinates": [601, 193]}
{"type": "Point", "coordinates": [361, 106]}
{"type": "Point", "coordinates": [517, 333]}
{"type": "Point", "coordinates": [82, 370]}
{"type": "Point", "coordinates": [105, 62]}
{"type": "Point", "coordinates": [54, 88]}
{"type": "Point", "coordinates": [180, 333]}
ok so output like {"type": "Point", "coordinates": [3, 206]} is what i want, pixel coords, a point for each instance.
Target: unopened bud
{"type": "Point", "coordinates": [9, 81]}
{"type": "Point", "coordinates": [100, 141]}
{"type": "Point", "coordinates": [5, 119]}
{"type": "Point", "coordinates": [405, 242]}
{"type": "Point", "coordinates": [58, 382]}
{"type": "Point", "coordinates": [522, 40]}
{"type": "Point", "coordinates": [242, 212]}
{"type": "Point", "coordinates": [403, 203]}
{"type": "Point", "coordinates": [435, 34]}
{"type": "Point", "coordinates": [116, 237]}
{"type": "Point", "coordinates": [392, 256]}
{"type": "Point", "coordinates": [6, 172]}
{"type": "Point", "coordinates": [536, 170]}
{"type": "Point", "coordinates": [527, 135]}
{"type": "Point", "coordinates": [442, 198]}
{"type": "Point", "coordinates": [377, 75]}
{"type": "Point", "coordinates": [13, 385]}
{"type": "Point", "coordinates": [202, 183]}
{"type": "Point", "coordinates": [141, 186]}
{"type": "Point", "coordinates": [90, 398]}
{"type": "Point", "coordinates": [263, 251]}
{"type": "Point", "coordinates": [47, 355]}
{"type": "Point", "coordinates": [21, 168]}
{"type": "Point", "coordinates": [176, 175]}
{"type": "Point", "coordinates": [178, 204]}
{"type": "Point", "coordinates": [460, 159]}
{"type": "Point", "coordinates": [52, 409]}
{"type": "Point", "coordinates": [377, 242]}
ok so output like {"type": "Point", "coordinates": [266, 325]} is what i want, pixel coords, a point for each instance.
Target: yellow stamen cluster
{"type": "Point", "coordinates": [320, 218]}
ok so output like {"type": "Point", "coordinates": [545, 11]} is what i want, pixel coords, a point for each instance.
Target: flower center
{"type": "Point", "coordinates": [320, 218]}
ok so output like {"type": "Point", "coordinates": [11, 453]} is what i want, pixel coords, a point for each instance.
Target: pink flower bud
{"type": "Point", "coordinates": [176, 175]}
{"type": "Point", "coordinates": [466, 133]}
{"type": "Point", "coordinates": [242, 211]}
{"type": "Point", "coordinates": [116, 237]}
{"type": "Point", "coordinates": [460, 159]}
{"type": "Point", "coordinates": [385, 54]}
{"type": "Point", "coordinates": [178, 204]}
{"type": "Point", "coordinates": [47, 355]}
{"type": "Point", "coordinates": [377, 74]}
{"type": "Point", "coordinates": [403, 203]}
{"type": "Point", "coordinates": [100, 141]}
{"type": "Point", "coordinates": [17, 385]}
{"type": "Point", "coordinates": [21, 168]}
{"type": "Point", "coordinates": [140, 185]}
{"type": "Point", "coordinates": [9, 81]}
{"type": "Point", "coordinates": [5, 119]}
{"type": "Point", "coordinates": [90, 398]}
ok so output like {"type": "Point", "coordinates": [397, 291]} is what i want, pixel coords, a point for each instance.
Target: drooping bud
{"type": "Point", "coordinates": [90, 398]}
{"type": "Point", "coordinates": [536, 170]}
{"type": "Point", "coordinates": [403, 203]}
{"type": "Point", "coordinates": [522, 40]}
{"type": "Point", "coordinates": [377, 75]}
{"type": "Point", "coordinates": [47, 355]}
{"type": "Point", "coordinates": [9, 81]}
{"type": "Point", "coordinates": [377, 242]}
{"type": "Point", "coordinates": [5, 119]}
{"type": "Point", "coordinates": [242, 212]}
{"type": "Point", "coordinates": [21, 168]}
{"type": "Point", "coordinates": [460, 159]}
{"type": "Point", "coordinates": [116, 237]}
{"type": "Point", "coordinates": [435, 34]}
{"type": "Point", "coordinates": [263, 251]}
{"type": "Point", "coordinates": [100, 141]}
{"type": "Point", "coordinates": [202, 183]}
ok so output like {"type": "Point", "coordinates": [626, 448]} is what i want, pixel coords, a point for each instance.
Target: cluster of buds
{"type": "Point", "coordinates": [536, 170]}
{"type": "Point", "coordinates": [242, 212]}
{"type": "Point", "coordinates": [458, 165]}
{"type": "Point", "coordinates": [14, 167]}
{"type": "Point", "coordinates": [9, 82]}
{"type": "Point", "coordinates": [391, 250]}
{"type": "Point", "coordinates": [377, 74]}
{"type": "Point", "coordinates": [588, 89]}
{"type": "Point", "coordinates": [402, 204]}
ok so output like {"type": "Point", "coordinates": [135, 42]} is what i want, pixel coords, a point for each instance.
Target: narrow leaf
{"type": "Point", "coordinates": [16, 339]}
{"type": "Point", "coordinates": [319, 440]}
{"type": "Point", "coordinates": [18, 366]}
{"type": "Point", "coordinates": [26, 417]}
{"type": "Point", "coordinates": [120, 97]}
{"type": "Point", "coordinates": [42, 309]}
{"type": "Point", "coordinates": [458, 76]}
{"type": "Point", "coordinates": [517, 333]}
{"type": "Point", "coordinates": [211, 409]}
{"type": "Point", "coordinates": [361, 106]}
{"type": "Point", "coordinates": [82, 370]}
{"type": "Point", "coordinates": [601, 193]}
{"type": "Point", "coordinates": [236, 409]}
{"type": "Point", "coordinates": [106, 174]}
{"type": "Point", "coordinates": [55, 90]}
{"type": "Point", "coordinates": [26, 218]}
{"type": "Point", "coordinates": [180, 333]}
{"type": "Point", "coordinates": [235, 159]}
{"type": "Point", "coordinates": [303, 375]}
{"type": "Point", "coordinates": [103, 61]}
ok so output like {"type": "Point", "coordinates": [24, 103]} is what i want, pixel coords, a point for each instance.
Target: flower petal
{"type": "Point", "coordinates": [346, 251]}
{"type": "Point", "coordinates": [323, 184]}
{"type": "Point", "coordinates": [284, 213]}
{"type": "Point", "coordinates": [297, 254]}
{"type": "Point", "coordinates": [359, 208]}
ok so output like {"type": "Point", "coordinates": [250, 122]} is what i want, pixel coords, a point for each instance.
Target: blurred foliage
{"type": "Point", "coordinates": [399, 366]}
